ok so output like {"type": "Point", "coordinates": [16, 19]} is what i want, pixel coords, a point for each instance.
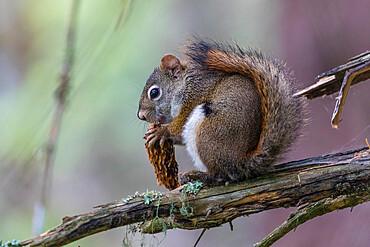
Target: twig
{"type": "Point", "coordinates": [330, 81]}
{"type": "Point", "coordinates": [60, 99]}
{"type": "Point", "coordinates": [231, 226]}
{"type": "Point", "coordinates": [309, 212]}
{"type": "Point", "coordinates": [200, 236]}
{"type": "Point", "coordinates": [125, 7]}
{"type": "Point", "coordinates": [349, 76]}
{"type": "Point", "coordinates": [356, 70]}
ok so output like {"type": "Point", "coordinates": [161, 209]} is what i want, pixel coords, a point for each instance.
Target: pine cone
{"type": "Point", "coordinates": [163, 160]}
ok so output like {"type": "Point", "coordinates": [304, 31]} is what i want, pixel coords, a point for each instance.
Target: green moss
{"type": "Point", "coordinates": [192, 187]}
{"type": "Point", "coordinates": [148, 196]}
{"type": "Point", "coordinates": [13, 243]}
{"type": "Point", "coordinates": [189, 188]}
{"type": "Point", "coordinates": [158, 224]}
{"type": "Point", "coordinates": [349, 190]}
{"type": "Point", "coordinates": [130, 231]}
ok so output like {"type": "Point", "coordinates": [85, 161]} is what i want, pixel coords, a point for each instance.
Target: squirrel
{"type": "Point", "coordinates": [232, 108]}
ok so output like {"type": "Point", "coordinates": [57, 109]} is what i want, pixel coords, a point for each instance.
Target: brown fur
{"type": "Point", "coordinates": [281, 112]}
{"type": "Point", "coordinates": [250, 115]}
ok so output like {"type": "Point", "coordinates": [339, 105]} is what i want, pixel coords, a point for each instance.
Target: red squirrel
{"type": "Point", "coordinates": [232, 108]}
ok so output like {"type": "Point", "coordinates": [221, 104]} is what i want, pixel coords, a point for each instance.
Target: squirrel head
{"type": "Point", "coordinates": [157, 96]}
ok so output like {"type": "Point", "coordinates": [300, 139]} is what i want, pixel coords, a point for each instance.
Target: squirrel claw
{"type": "Point", "coordinates": [161, 142]}
{"type": "Point", "coordinates": [152, 140]}
{"type": "Point", "coordinates": [156, 134]}
{"type": "Point", "coordinates": [150, 131]}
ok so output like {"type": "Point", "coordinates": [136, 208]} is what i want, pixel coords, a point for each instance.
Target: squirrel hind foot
{"type": "Point", "coordinates": [208, 179]}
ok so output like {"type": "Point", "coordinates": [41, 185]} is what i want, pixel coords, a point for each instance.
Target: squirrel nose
{"type": "Point", "coordinates": [141, 115]}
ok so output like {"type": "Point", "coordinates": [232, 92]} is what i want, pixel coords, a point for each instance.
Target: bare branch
{"type": "Point", "coordinates": [330, 81]}
{"type": "Point", "coordinates": [349, 76]}
{"type": "Point", "coordinates": [340, 79]}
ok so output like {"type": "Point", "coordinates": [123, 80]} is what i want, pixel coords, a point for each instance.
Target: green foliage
{"type": "Point", "coordinates": [13, 243]}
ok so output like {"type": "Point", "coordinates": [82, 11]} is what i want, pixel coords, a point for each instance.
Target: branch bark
{"type": "Point", "coordinates": [324, 180]}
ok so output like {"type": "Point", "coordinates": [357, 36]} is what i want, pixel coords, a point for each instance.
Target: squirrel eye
{"type": "Point", "coordinates": [154, 92]}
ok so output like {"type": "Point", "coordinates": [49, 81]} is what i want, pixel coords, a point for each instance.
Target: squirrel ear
{"type": "Point", "coordinates": [171, 65]}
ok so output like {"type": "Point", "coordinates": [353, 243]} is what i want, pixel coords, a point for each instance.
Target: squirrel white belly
{"type": "Point", "coordinates": [189, 135]}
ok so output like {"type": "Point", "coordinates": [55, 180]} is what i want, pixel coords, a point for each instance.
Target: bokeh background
{"type": "Point", "coordinates": [101, 155]}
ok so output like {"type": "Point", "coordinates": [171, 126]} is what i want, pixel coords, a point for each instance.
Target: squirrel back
{"type": "Point", "coordinates": [282, 114]}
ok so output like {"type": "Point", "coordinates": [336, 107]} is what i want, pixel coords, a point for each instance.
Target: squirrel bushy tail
{"type": "Point", "coordinates": [282, 113]}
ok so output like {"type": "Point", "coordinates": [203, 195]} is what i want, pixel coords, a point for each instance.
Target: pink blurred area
{"type": "Point", "coordinates": [316, 36]}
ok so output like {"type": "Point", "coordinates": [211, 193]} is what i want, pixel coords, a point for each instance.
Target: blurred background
{"type": "Point", "coordinates": [100, 155]}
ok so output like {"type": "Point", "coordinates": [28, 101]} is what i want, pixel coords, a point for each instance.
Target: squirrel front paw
{"type": "Point", "coordinates": [157, 133]}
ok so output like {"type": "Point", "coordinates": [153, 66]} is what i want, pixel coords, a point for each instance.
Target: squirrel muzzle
{"type": "Point", "coordinates": [142, 115]}
{"type": "Point", "coordinates": [151, 117]}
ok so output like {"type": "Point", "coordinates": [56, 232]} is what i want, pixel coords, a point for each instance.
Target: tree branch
{"type": "Point", "coordinates": [331, 181]}
{"type": "Point", "coordinates": [311, 211]}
